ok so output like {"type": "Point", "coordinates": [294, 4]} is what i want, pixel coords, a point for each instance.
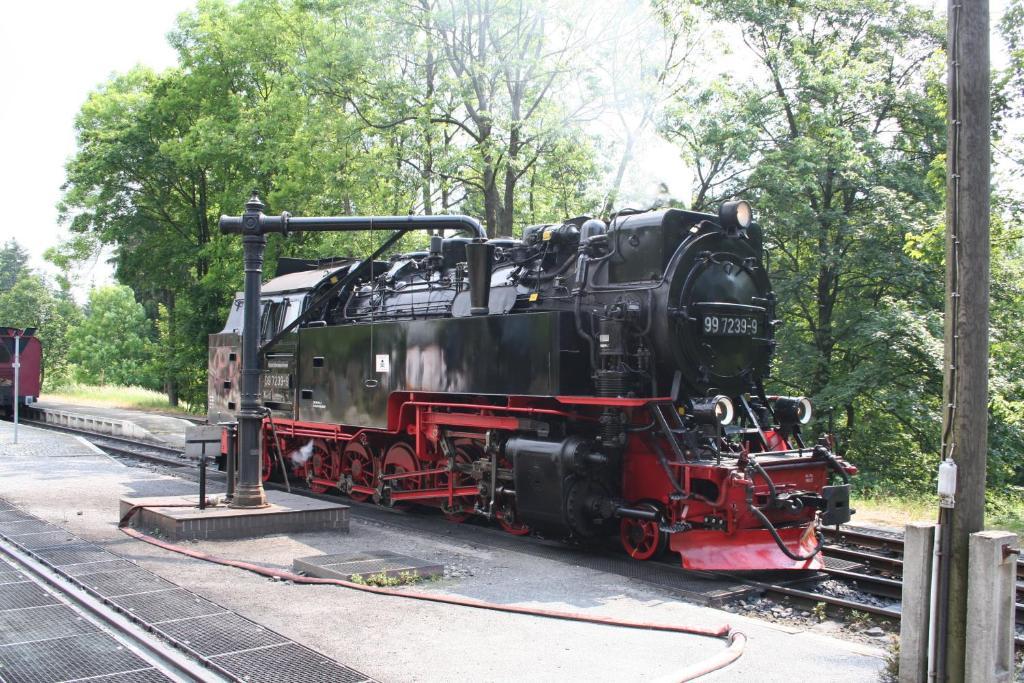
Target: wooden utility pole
{"type": "Point", "coordinates": [965, 390]}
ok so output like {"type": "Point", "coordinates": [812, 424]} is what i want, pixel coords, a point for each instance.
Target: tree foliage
{"type": "Point", "coordinates": [1011, 28]}
{"type": "Point", "coordinates": [28, 300]}
{"type": "Point", "coordinates": [110, 345]}
{"type": "Point", "coordinates": [162, 155]}
{"type": "Point", "coordinates": [833, 137]}
{"type": "Point", "coordinates": [13, 260]}
{"type": "Point", "coordinates": [525, 111]}
{"type": "Point", "coordinates": [329, 117]}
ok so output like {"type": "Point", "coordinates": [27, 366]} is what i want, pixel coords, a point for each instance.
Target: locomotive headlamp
{"type": "Point", "coordinates": [715, 410]}
{"type": "Point", "coordinates": [792, 410]}
{"type": "Point", "coordinates": [735, 216]}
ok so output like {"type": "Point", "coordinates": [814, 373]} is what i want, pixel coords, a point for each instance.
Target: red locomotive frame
{"type": "Point", "coordinates": [406, 464]}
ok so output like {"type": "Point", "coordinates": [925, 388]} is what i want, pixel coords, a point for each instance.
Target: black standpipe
{"type": "Point", "coordinates": [253, 226]}
{"type": "Point", "coordinates": [249, 491]}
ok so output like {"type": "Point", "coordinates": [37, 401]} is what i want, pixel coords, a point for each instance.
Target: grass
{"type": "Point", "coordinates": [383, 580]}
{"type": "Point", "coordinates": [1003, 511]}
{"type": "Point", "coordinates": [820, 611]}
{"type": "Point", "coordinates": [116, 396]}
{"type": "Point", "coordinates": [896, 511]}
{"type": "Point", "coordinates": [891, 672]}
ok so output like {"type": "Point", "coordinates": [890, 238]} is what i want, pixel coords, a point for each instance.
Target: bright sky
{"type": "Point", "coordinates": [53, 53]}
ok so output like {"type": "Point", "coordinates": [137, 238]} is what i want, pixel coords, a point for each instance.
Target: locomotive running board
{"type": "Point", "coordinates": [746, 549]}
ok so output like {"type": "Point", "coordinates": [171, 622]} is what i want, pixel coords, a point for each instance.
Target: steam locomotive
{"type": "Point", "coordinates": [589, 379]}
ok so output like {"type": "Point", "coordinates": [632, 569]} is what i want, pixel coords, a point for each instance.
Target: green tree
{"type": "Point", "coordinates": [833, 139]}
{"type": "Point", "coordinates": [1011, 28]}
{"type": "Point", "coordinates": [13, 260]}
{"type": "Point", "coordinates": [466, 110]}
{"type": "Point", "coordinates": [110, 344]}
{"type": "Point", "coordinates": [160, 156]}
{"type": "Point", "coordinates": [505, 62]}
{"type": "Point", "coordinates": [635, 85]}
{"type": "Point", "coordinates": [31, 302]}
{"type": "Point", "coordinates": [718, 131]}
{"type": "Point", "coordinates": [1006, 428]}
{"type": "Point", "coordinates": [354, 107]}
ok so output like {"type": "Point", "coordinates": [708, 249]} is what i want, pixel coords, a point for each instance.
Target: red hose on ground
{"type": "Point", "coordinates": [736, 639]}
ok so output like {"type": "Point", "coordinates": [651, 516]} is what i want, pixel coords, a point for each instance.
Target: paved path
{"type": "Point", "coordinates": [395, 640]}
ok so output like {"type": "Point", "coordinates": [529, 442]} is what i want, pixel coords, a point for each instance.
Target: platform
{"type": "Point", "coordinates": [43, 639]}
{"type": "Point", "coordinates": [75, 490]}
{"type": "Point", "coordinates": [179, 517]}
{"type": "Point", "coordinates": [124, 422]}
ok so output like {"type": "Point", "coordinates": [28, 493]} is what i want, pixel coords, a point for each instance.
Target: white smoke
{"type": "Point", "coordinates": [300, 456]}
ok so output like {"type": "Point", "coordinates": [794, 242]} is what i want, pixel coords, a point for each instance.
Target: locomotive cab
{"type": "Point", "coordinates": [284, 299]}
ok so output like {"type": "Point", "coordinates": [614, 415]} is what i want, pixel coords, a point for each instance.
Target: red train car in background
{"type": "Point", "coordinates": [31, 376]}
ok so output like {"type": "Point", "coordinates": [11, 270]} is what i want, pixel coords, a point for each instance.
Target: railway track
{"type": "Point", "coordinates": [874, 556]}
{"type": "Point", "coordinates": [887, 564]}
{"type": "Point", "coordinates": [886, 581]}
{"type": "Point", "coordinates": [88, 635]}
{"type": "Point", "coordinates": [140, 450]}
{"type": "Point", "coordinates": [882, 540]}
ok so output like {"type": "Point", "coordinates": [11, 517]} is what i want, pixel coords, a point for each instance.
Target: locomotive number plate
{"type": "Point", "coordinates": [729, 325]}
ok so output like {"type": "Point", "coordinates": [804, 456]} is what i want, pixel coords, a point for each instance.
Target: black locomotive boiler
{"type": "Point", "coordinates": [591, 378]}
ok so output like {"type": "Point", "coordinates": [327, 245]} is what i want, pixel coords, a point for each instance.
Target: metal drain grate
{"type": "Point", "coordinates": [49, 642]}
{"type": "Point", "coordinates": [22, 595]}
{"type": "Point", "coordinates": [873, 531]}
{"type": "Point", "coordinates": [11, 577]}
{"type": "Point", "coordinates": [14, 515]}
{"type": "Point", "coordinates": [15, 528]}
{"type": "Point", "coordinates": [290, 663]}
{"type": "Point", "coordinates": [91, 654]}
{"type": "Point", "coordinates": [76, 570]}
{"type": "Point", "coordinates": [41, 623]}
{"type": "Point", "coordinates": [81, 553]}
{"type": "Point", "coordinates": [843, 565]}
{"type": "Point", "coordinates": [220, 634]}
{"type": "Point", "coordinates": [782, 577]}
{"type": "Point", "coordinates": [45, 539]}
{"type": "Point", "coordinates": [143, 676]}
{"type": "Point", "coordinates": [366, 564]}
{"type": "Point", "coordinates": [128, 582]}
{"type": "Point", "coordinates": [154, 608]}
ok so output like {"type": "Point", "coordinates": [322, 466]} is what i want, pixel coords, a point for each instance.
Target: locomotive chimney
{"type": "Point", "coordinates": [479, 259]}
